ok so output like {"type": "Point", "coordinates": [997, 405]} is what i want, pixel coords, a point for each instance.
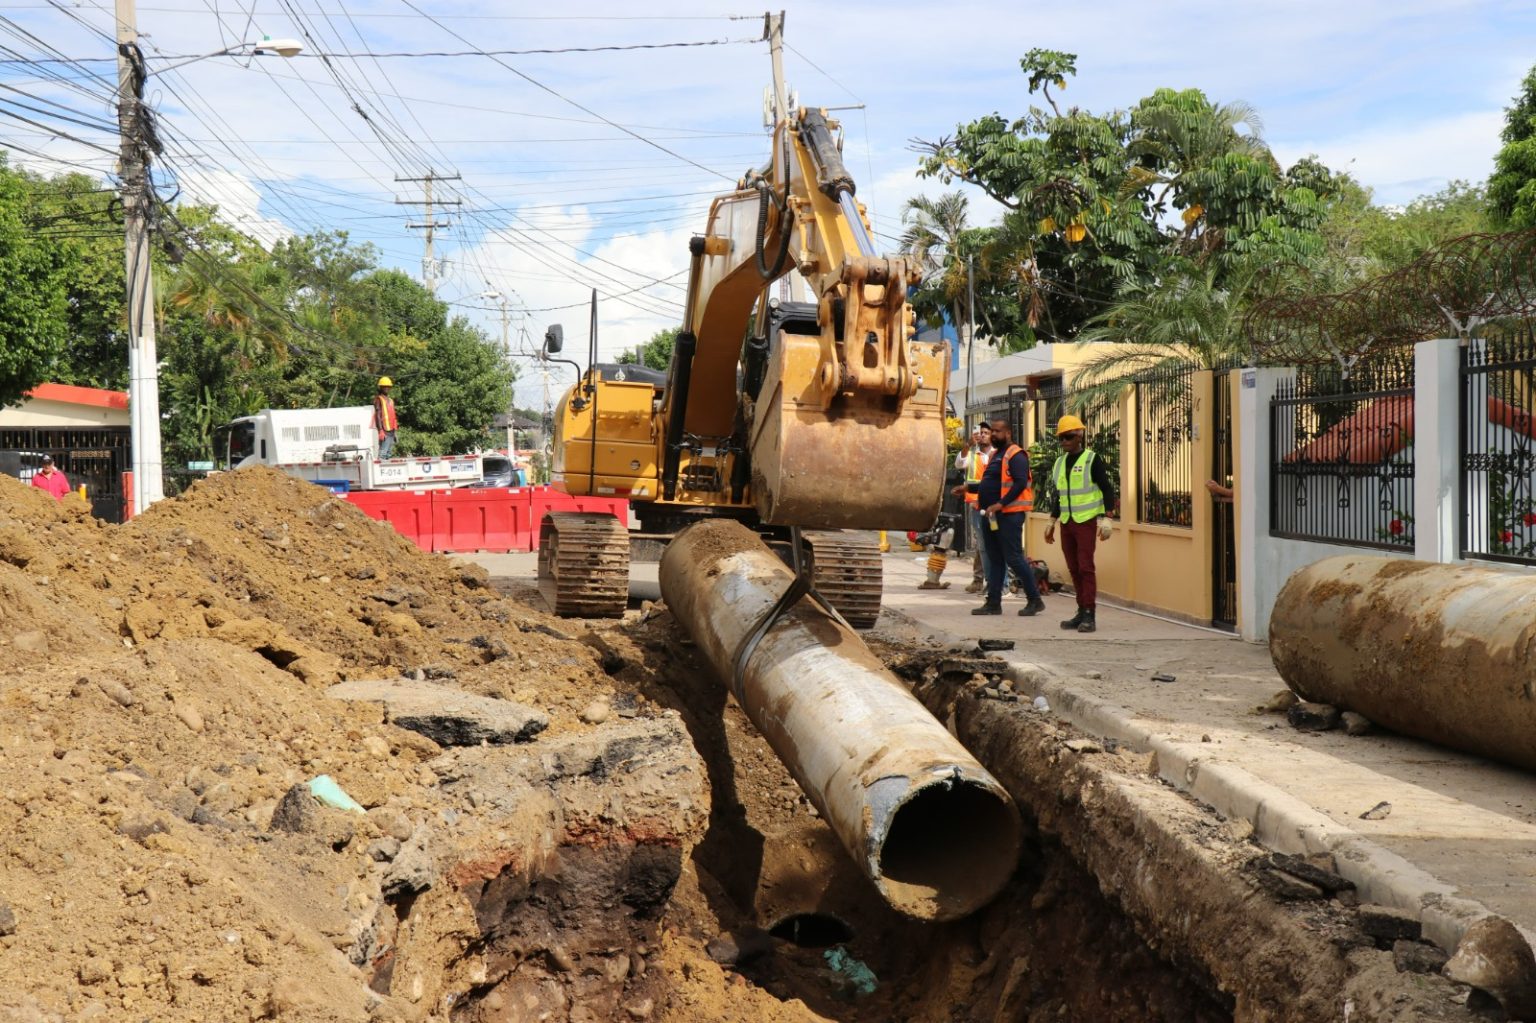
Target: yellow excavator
{"type": "Point", "coordinates": [800, 419]}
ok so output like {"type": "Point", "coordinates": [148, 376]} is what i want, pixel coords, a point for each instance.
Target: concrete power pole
{"type": "Point", "coordinates": [429, 271]}
{"type": "Point", "coordinates": [133, 171]}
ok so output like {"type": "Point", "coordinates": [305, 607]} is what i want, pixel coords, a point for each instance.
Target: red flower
{"type": "Point", "coordinates": [1530, 518]}
{"type": "Point", "coordinates": [1396, 527]}
{"type": "Point", "coordinates": [1506, 537]}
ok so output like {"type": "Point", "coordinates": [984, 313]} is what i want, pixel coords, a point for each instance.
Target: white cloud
{"type": "Point", "coordinates": [1402, 162]}
{"type": "Point", "coordinates": [238, 202]}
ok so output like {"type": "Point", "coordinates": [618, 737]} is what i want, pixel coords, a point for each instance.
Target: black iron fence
{"type": "Point", "coordinates": [1341, 453]}
{"type": "Point", "coordinates": [1165, 414]}
{"type": "Point", "coordinates": [95, 457]}
{"type": "Point", "coordinates": [1498, 432]}
{"type": "Point", "coordinates": [1224, 531]}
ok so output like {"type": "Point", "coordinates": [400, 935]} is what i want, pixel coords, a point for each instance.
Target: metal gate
{"type": "Point", "coordinates": [1224, 531]}
{"type": "Point", "coordinates": [95, 457]}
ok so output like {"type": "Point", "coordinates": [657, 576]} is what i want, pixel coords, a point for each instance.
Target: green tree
{"type": "Point", "coordinates": [35, 310]}
{"type": "Point", "coordinates": [451, 391]}
{"type": "Point", "coordinates": [1191, 313]}
{"type": "Point", "coordinates": [655, 353]}
{"type": "Point", "coordinates": [1512, 188]}
{"type": "Point", "coordinates": [933, 228]}
{"type": "Point", "coordinates": [1097, 203]}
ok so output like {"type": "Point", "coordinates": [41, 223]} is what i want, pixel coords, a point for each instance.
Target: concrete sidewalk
{"type": "Point", "coordinates": [1459, 840]}
{"type": "Point", "coordinates": [1458, 843]}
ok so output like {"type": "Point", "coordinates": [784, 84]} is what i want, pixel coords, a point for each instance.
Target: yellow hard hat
{"type": "Point", "coordinates": [386, 382]}
{"type": "Point", "coordinates": [1068, 424]}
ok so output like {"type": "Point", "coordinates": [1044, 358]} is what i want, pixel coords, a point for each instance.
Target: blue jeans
{"type": "Point", "coordinates": [387, 444]}
{"type": "Point", "coordinates": [979, 538]}
{"type": "Point", "coordinates": [1005, 551]}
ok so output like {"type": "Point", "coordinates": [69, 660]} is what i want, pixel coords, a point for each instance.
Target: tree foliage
{"type": "Point", "coordinates": [311, 323]}
{"type": "Point", "coordinates": [1098, 203]}
{"type": "Point", "coordinates": [1512, 188]}
{"type": "Point", "coordinates": [655, 353]}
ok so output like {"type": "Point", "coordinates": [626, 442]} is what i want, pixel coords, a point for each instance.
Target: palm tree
{"type": "Point", "coordinates": [932, 239]}
{"type": "Point", "coordinates": [1191, 314]}
{"type": "Point", "coordinates": [1195, 152]}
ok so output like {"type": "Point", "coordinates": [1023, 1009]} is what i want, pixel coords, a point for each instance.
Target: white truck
{"type": "Point", "coordinates": [335, 445]}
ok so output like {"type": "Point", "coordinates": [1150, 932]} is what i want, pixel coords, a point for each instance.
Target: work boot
{"type": "Point", "coordinates": [987, 609]}
{"type": "Point", "coordinates": [1031, 609]}
{"type": "Point", "coordinates": [1076, 620]}
{"type": "Point", "coordinates": [932, 584]}
{"type": "Point", "coordinates": [1087, 624]}
{"type": "Point", "coordinates": [976, 586]}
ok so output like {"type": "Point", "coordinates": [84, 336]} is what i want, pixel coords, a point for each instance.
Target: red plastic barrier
{"type": "Point", "coordinates": [409, 511]}
{"type": "Point", "coordinates": [494, 519]}
{"type": "Point", "coordinates": [548, 499]}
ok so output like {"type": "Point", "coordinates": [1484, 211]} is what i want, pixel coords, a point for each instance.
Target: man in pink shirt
{"type": "Point", "coordinates": [50, 479]}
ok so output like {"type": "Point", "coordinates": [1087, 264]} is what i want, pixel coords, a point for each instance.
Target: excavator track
{"type": "Point", "coordinates": [845, 568]}
{"type": "Point", "coordinates": [584, 564]}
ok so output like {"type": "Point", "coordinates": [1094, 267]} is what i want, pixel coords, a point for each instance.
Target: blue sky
{"type": "Point", "coordinates": [1407, 95]}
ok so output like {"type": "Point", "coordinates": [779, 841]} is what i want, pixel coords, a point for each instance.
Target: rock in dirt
{"type": "Point", "coordinates": [1297, 867]}
{"type": "Point", "coordinates": [1380, 811]}
{"type": "Point", "coordinates": [447, 716]}
{"type": "Point", "coordinates": [739, 946]}
{"type": "Point", "coordinates": [1494, 957]}
{"type": "Point", "coordinates": [1281, 702]}
{"type": "Point", "coordinates": [300, 813]}
{"type": "Point", "coordinates": [116, 692]}
{"type": "Point", "coordinates": [1387, 925]}
{"type": "Point", "coordinates": [596, 712]}
{"type": "Point", "coordinates": [1418, 957]}
{"type": "Point", "coordinates": [1356, 724]}
{"type": "Point", "coordinates": [1284, 886]}
{"type": "Point", "coordinates": [7, 920]}
{"type": "Point", "coordinates": [32, 641]}
{"type": "Point", "coordinates": [994, 644]}
{"type": "Point", "coordinates": [1313, 717]}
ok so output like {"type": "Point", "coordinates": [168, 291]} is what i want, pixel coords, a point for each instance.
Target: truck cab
{"type": "Point", "coordinates": [335, 446]}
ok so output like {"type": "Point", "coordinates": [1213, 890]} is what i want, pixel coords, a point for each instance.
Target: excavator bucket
{"type": "Point", "coordinates": [825, 460]}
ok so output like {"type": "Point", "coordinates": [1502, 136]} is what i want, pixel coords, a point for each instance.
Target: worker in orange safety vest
{"type": "Point", "coordinates": [385, 420]}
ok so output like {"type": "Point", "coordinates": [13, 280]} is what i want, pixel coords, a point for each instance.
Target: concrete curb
{"type": "Point", "coordinates": [1280, 821]}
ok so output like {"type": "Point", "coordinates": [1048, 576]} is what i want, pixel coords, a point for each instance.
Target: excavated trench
{"type": "Point", "coordinates": [770, 903]}
{"type": "Point", "coordinates": [1130, 901]}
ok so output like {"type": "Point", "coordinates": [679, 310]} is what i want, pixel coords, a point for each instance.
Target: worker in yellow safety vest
{"type": "Point", "coordinates": [385, 420]}
{"type": "Point", "coordinates": [1085, 496]}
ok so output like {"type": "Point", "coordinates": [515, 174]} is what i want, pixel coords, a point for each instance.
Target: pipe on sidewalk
{"type": "Point", "coordinates": [936, 833]}
{"type": "Point", "coordinates": [1441, 652]}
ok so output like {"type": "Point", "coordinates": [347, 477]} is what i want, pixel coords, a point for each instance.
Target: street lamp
{"type": "Point", "coordinates": [138, 144]}
{"type": "Point", "coordinates": [264, 47]}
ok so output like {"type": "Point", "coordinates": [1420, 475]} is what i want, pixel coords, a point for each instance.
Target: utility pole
{"type": "Point", "coordinates": [137, 142]}
{"type": "Point", "coordinates": [429, 224]}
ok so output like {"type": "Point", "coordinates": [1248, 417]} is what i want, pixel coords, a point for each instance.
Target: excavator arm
{"type": "Point", "coordinates": [842, 428]}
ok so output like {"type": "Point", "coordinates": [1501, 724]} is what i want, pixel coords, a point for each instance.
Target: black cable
{"type": "Point", "coordinates": [566, 99]}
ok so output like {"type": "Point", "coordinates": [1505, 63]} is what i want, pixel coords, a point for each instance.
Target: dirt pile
{"type": "Point", "coordinates": [163, 692]}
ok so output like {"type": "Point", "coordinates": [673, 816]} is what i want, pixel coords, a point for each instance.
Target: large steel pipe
{"type": "Point", "coordinates": [1443, 652]}
{"type": "Point", "coordinates": [936, 833]}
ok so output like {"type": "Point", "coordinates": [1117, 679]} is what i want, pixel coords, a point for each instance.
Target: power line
{"type": "Point", "coordinates": [558, 95]}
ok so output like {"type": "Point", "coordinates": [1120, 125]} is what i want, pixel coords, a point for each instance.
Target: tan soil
{"type": "Point", "coordinates": [172, 670]}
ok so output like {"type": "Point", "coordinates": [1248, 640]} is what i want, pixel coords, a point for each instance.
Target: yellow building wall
{"type": "Point", "coordinates": [1167, 569]}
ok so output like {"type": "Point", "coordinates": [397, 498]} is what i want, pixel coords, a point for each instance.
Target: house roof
{"type": "Point", "coordinates": [69, 394]}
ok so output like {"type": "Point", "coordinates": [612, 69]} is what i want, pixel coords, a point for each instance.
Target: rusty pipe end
{"type": "Point", "coordinates": [915, 858]}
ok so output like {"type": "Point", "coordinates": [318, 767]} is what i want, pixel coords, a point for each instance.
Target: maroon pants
{"type": "Point", "coordinates": [1078, 539]}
